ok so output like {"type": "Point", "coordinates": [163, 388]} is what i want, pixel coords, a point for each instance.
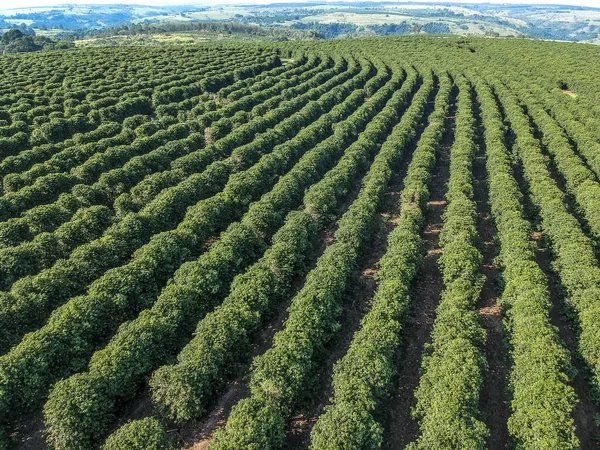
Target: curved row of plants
{"type": "Point", "coordinates": [362, 379]}
{"type": "Point", "coordinates": [75, 329]}
{"type": "Point", "coordinates": [58, 128]}
{"type": "Point", "coordinates": [97, 71]}
{"type": "Point", "coordinates": [46, 81]}
{"type": "Point", "coordinates": [134, 170]}
{"type": "Point", "coordinates": [452, 368]}
{"type": "Point", "coordinates": [542, 398]}
{"type": "Point", "coordinates": [580, 181]}
{"type": "Point", "coordinates": [225, 134]}
{"type": "Point", "coordinates": [48, 216]}
{"type": "Point", "coordinates": [48, 187]}
{"type": "Point", "coordinates": [184, 389]}
{"type": "Point", "coordinates": [70, 157]}
{"type": "Point", "coordinates": [52, 124]}
{"type": "Point", "coordinates": [27, 306]}
{"type": "Point", "coordinates": [116, 372]}
{"type": "Point", "coordinates": [281, 376]}
{"type": "Point", "coordinates": [85, 141]}
{"type": "Point", "coordinates": [246, 86]}
{"type": "Point", "coordinates": [30, 257]}
{"type": "Point", "coordinates": [44, 116]}
{"type": "Point", "coordinates": [68, 149]}
{"type": "Point", "coordinates": [108, 185]}
{"type": "Point", "coordinates": [574, 121]}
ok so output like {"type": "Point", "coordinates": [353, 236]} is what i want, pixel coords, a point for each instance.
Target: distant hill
{"type": "Point", "coordinates": [324, 20]}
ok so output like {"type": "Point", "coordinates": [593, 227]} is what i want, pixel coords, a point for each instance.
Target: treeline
{"type": "Point", "coordinates": [336, 30]}
{"type": "Point", "coordinates": [204, 26]}
{"type": "Point", "coordinates": [17, 41]}
{"type": "Point", "coordinates": [299, 30]}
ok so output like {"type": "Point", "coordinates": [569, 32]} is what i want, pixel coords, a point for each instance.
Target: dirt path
{"type": "Point", "coordinates": [493, 402]}
{"type": "Point", "coordinates": [557, 177]}
{"type": "Point", "coordinates": [356, 304]}
{"type": "Point", "coordinates": [586, 410]}
{"type": "Point", "coordinates": [196, 434]}
{"type": "Point", "coordinates": [29, 435]}
{"type": "Point", "coordinates": [400, 428]}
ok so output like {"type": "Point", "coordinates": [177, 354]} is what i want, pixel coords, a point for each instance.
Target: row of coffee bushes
{"type": "Point", "coordinates": [362, 379]}
{"type": "Point", "coordinates": [190, 374]}
{"type": "Point", "coordinates": [452, 368]}
{"type": "Point", "coordinates": [72, 155]}
{"type": "Point", "coordinates": [542, 397]}
{"type": "Point", "coordinates": [281, 376]}
{"type": "Point", "coordinates": [575, 259]}
{"type": "Point", "coordinates": [264, 120]}
{"type": "Point", "coordinates": [39, 153]}
{"type": "Point", "coordinates": [580, 181]}
{"type": "Point", "coordinates": [115, 181]}
{"type": "Point", "coordinates": [116, 372]}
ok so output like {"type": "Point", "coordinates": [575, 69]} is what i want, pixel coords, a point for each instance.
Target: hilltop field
{"type": "Point", "coordinates": [328, 244]}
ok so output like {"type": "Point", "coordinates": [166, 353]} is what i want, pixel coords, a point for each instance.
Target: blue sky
{"type": "Point", "coordinates": [27, 3]}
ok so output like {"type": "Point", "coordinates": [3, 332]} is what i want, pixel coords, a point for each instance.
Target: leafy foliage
{"type": "Point", "coordinates": [362, 379]}
{"type": "Point", "coordinates": [452, 368]}
{"type": "Point", "coordinates": [159, 207]}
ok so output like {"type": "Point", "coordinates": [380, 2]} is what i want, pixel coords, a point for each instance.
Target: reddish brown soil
{"type": "Point", "coordinates": [493, 401]}
{"type": "Point", "coordinates": [197, 434]}
{"type": "Point", "coordinates": [586, 410]}
{"type": "Point", "coordinates": [356, 303]}
{"type": "Point", "coordinates": [399, 427]}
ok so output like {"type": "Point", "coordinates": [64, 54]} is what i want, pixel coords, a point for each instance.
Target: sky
{"type": "Point", "coordinates": [27, 3]}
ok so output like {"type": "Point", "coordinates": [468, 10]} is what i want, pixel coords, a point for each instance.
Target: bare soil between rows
{"type": "Point", "coordinates": [399, 427]}
{"type": "Point", "coordinates": [356, 304]}
{"type": "Point", "coordinates": [493, 399]}
{"type": "Point", "coordinates": [586, 410]}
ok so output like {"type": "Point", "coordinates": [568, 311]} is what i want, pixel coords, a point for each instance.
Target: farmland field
{"type": "Point", "coordinates": [348, 244]}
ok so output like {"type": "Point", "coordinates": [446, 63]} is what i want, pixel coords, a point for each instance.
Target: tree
{"type": "Point", "coordinates": [11, 35]}
{"type": "Point", "coordinates": [23, 44]}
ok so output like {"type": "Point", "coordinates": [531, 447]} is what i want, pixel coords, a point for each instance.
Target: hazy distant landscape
{"type": "Point", "coordinates": [314, 20]}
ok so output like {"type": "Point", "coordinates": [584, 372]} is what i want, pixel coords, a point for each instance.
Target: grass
{"type": "Point", "coordinates": [179, 38]}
